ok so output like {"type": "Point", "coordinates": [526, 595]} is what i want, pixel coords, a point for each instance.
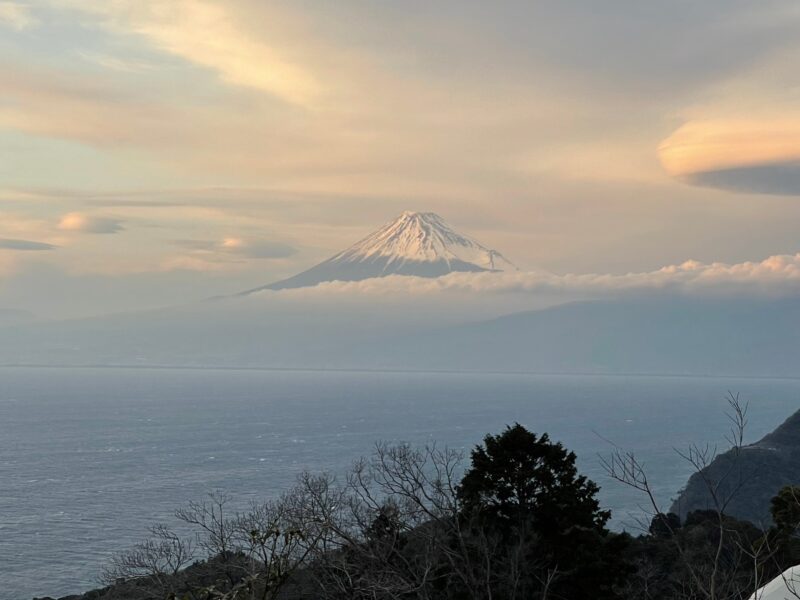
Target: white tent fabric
{"type": "Point", "coordinates": [785, 586]}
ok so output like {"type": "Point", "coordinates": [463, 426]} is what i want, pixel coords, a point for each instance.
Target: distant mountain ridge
{"type": "Point", "coordinates": [419, 244]}
{"type": "Point", "coordinates": [646, 335]}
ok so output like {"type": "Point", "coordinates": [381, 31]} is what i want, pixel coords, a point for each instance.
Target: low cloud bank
{"type": "Point", "coordinates": [776, 275]}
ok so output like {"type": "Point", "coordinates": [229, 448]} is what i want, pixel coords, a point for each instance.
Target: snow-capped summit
{"type": "Point", "coordinates": [424, 237]}
{"type": "Point", "coordinates": [419, 244]}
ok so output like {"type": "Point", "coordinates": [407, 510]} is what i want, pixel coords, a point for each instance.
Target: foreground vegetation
{"type": "Point", "coordinates": [515, 522]}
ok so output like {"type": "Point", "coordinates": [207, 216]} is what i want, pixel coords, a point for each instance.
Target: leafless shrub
{"type": "Point", "coordinates": [395, 529]}
{"type": "Point", "coordinates": [154, 562]}
{"type": "Point", "coordinates": [711, 578]}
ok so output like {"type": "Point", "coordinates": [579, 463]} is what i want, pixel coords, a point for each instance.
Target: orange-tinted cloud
{"type": "Point", "coordinates": [209, 34]}
{"type": "Point", "coordinates": [83, 223]}
{"type": "Point", "coordinates": [713, 145]}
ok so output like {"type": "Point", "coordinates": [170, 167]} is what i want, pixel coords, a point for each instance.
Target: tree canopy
{"type": "Point", "coordinates": [527, 489]}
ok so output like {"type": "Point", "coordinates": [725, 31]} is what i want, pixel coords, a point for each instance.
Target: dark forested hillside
{"type": "Point", "coordinates": [751, 476]}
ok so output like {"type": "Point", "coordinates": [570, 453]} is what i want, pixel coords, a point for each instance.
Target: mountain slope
{"type": "Point", "coordinates": [752, 476]}
{"type": "Point", "coordinates": [421, 244]}
{"type": "Point", "coordinates": [672, 335]}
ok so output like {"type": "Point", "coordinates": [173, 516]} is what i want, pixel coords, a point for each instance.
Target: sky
{"type": "Point", "coordinates": [155, 152]}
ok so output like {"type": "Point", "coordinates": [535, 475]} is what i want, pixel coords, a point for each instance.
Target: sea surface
{"type": "Point", "coordinates": [89, 458]}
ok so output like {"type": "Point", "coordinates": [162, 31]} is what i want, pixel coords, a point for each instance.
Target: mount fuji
{"type": "Point", "coordinates": [418, 244]}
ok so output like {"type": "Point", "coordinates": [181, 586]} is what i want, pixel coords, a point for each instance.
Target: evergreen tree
{"type": "Point", "coordinates": [785, 509]}
{"type": "Point", "coordinates": [527, 488]}
{"type": "Point", "coordinates": [665, 525]}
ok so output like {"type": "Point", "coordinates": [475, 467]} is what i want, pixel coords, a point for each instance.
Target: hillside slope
{"type": "Point", "coordinates": [675, 335]}
{"type": "Point", "coordinates": [752, 476]}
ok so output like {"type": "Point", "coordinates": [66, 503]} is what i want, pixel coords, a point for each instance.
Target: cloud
{"type": "Point", "coordinates": [17, 16]}
{"type": "Point", "coordinates": [238, 246]}
{"type": "Point", "coordinates": [73, 106]}
{"type": "Point", "coordinates": [710, 145]}
{"type": "Point", "coordinates": [743, 132]}
{"type": "Point", "coordinates": [25, 245]}
{"type": "Point", "coordinates": [400, 111]}
{"type": "Point", "coordinates": [115, 63]}
{"type": "Point", "coordinates": [778, 275]}
{"type": "Point", "coordinates": [82, 223]}
{"type": "Point", "coordinates": [780, 178]}
{"type": "Point", "coordinates": [209, 255]}
{"type": "Point", "coordinates": [257, 248]}
{"type": "Point", "coordinates": [208, 34]}
{"type": "Point", "coordinates": [451, 102]}
{"type": "Point", "coordinates": [744, 155]}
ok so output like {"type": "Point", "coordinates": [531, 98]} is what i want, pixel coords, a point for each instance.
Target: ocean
{"type": "Point", "coordinates": [90, 457]}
